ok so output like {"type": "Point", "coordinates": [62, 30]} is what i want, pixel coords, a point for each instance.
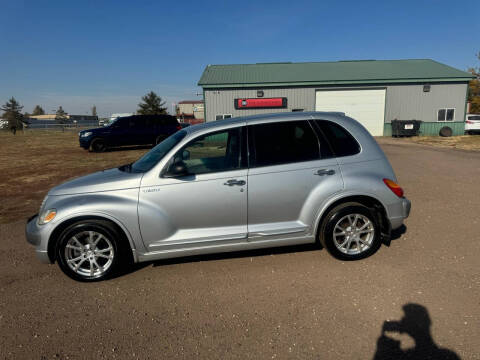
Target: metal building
{"type": "Point", "coordinates": [374, 92]}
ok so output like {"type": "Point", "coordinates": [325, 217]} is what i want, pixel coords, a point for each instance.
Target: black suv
{"type": "Point", "coordinates": [130, 130]}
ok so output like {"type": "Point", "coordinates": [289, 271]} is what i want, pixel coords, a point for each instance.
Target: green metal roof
{"type": "Point", "coordinates": [329, 73]}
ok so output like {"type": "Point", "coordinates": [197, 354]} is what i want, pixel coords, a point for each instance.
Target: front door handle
{"type": "Point", "coordinates": [323, 172]}
{"type": "Point", "coordinates": [235, 182]}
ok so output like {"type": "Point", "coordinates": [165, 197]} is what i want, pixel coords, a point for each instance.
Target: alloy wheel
{"type": "Point", "coordinates": [89, 254]}
{"type": "Point", "coordinates": [353, 234]}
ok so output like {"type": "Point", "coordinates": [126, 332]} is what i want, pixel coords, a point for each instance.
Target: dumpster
{"type": "Point", "coordinates": [405, 127]}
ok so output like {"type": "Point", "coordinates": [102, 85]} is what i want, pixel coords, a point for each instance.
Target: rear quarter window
{"type": "Point", "coordinates": [170, 121]}
{"type": "Point", "coordinates": [341, 141]}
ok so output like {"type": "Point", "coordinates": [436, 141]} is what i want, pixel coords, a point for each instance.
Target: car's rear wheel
{"type": "Point", "coordinates": [90, 250]}
{"type": "Point", "coordinates": [350, 231]}
{"type": "Point", "coordinates": [98, 145]}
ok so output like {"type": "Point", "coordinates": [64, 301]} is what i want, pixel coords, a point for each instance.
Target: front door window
{"type": "Point", "coordinates": [217, 152]}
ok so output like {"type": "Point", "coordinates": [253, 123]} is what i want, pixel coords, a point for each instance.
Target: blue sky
{"type": "Point", "coordinates": [110, 53]}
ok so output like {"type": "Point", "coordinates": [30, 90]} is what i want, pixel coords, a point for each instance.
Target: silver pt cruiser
{"type": "Point", "coordinates": [238, 184]}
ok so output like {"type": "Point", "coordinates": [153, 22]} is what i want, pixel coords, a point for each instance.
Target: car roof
{"type": "Point", "coordinates": [138, 116]}
{"type": "Point", "coordinates": [274, 117]}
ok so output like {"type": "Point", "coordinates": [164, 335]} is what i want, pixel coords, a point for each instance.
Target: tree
{"type": "Point", "coordinates": [152, 105]}
{"type": "Point", "coordinates": [474, 89]}
{"type": "Point", "coordinates": [12, 113]}
{"type": "Point", "coordinates": [38, 110]}
{"type": "Point", "coordinates": [61, 116]}
{"type": "Point", "coordinates": [94, 110]}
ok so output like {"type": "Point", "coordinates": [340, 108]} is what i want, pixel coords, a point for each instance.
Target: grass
{"type": "Point", "coordinates": [467, 142]}
{"type": "Point", "coordinates": [33, 161]}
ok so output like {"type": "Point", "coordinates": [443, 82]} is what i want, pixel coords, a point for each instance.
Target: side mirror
{"type": "Point", "coordinates": [177, 169]}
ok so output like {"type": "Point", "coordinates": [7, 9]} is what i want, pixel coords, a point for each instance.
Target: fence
{"type": "Point", "coordinates": [61, 127]}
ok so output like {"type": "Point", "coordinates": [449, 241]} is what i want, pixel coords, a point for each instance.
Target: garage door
{"type": "Point", "coordinates": [366, 106]}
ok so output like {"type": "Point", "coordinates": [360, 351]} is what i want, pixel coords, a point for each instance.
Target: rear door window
{"type": "Point", "coordinates": [169, 121]}
{"type": "Point", "coordinates": [283, 143]}
{"type": "Point", "coordinates": [341, 141]}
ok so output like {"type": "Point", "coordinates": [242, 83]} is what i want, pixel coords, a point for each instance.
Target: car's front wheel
{"type": "Point", "coordinates": [89, 250]}
{"type": "Point", "coordinates": [98, 145]}
{"type": "Point", "coordinates": [350, 231]}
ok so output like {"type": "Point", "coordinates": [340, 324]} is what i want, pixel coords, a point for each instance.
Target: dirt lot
{"type": "Point", "coordinates": [286, 303]}
{"type": "Point", "coordinates": [33, 161]}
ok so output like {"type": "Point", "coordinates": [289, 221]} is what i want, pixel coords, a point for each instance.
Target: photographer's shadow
{"type": "Point", "coordinates": [415, 323]}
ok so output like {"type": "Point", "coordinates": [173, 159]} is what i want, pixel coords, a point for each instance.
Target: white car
{"type": "Point", "coordinates": [472, 124]}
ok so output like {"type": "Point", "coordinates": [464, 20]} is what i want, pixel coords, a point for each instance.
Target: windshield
{"type": "Point", "coordinates": [110, 122]}
{"type": "Point", "coordinates": [151, 158]}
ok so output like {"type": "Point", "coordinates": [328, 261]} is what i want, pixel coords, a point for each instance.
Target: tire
{"type": "Point", "coordinates": [446, 131]}
{"type": "Point", "coordinates": [352, 244]}
{"type": "Point", "coordinates": [98, 145]}
{"type": "Point", "coordinates": [94, 247]}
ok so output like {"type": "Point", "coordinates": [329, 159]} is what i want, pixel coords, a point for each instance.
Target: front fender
{"type": "Point", "coordinates": [119, 206]}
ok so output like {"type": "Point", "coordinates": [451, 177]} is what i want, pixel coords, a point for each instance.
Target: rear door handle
{"type": "Point", "coordinates": [235, 182]}
{"type": "Point", "coordinates": [323, 172]}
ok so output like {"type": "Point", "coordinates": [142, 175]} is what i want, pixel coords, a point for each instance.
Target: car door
{"type": "Point", "coordinates": [136, 131]}
{"type": "Point", "coordinates": [145, 130]}
{"type": "Point", "coordinates": [119, 132]}
{"type": "Point", "coordinates": [291, 175]}
{"type": "Point", "coordinates": [207, 206]}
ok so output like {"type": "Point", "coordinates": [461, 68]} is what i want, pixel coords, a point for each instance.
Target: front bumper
{"type": "Point", "coordinates": [38, 236]}
{"type": "Point", "coordinates": [84, 142]}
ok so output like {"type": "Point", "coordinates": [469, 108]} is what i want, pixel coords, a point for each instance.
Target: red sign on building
{"type": "Point", "coordinates": [263, 103]}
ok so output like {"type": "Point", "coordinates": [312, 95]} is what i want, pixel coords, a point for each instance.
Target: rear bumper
{"type": "Point", "coordinates": [399, 212]}
{"type": "Point", "coordinates": [38, 235]}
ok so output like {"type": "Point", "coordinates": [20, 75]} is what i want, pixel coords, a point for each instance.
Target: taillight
{"type": "Point", "coordinates": [392, 185]}
{"type": "Point", "coordinates": [179, 127]}
{"type": "Point", "coordinates": [469, 122]}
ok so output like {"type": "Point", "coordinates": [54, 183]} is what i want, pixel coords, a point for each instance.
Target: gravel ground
{"type": "Point", "coordinates": [284, 303]}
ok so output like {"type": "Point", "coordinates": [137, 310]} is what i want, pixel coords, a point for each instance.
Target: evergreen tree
{"type": "Point", "coordinates": [12, 113]}
{"type": "Point", "coordinates": [61, 116]}
{"type": "Point", "coordinates": [152, 105]}
{"type": "Point", "coordinates": [38, 110]}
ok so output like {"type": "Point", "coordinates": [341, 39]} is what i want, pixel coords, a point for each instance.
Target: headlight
{"type": "Point", "coordinates": [46, 216]}
{"type": "Point", "coordinates": [86, 134]}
